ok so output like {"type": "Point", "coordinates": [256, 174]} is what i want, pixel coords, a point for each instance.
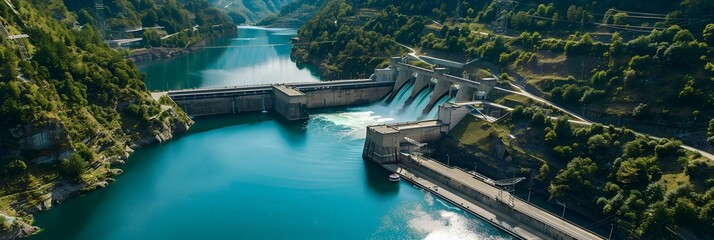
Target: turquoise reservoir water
{"type": "Point", "coordinates": [253, 177]}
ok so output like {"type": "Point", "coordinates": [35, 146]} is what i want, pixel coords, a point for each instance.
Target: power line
{"type": "Point", "coordinates": [638, 13]}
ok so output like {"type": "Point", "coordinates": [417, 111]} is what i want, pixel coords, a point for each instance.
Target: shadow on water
{"type": "Point", "coordinates": [294, 131]}
{"type": "Point", "coordinates": [72, 229]}
{"type": "Point", "coordinates": [377, 180]}
{"type": "Point", "coordinates": [85, 207]}
{"type": "Point", "coordinates": [226, 120]}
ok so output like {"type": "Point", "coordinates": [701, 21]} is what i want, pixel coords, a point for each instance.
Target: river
{"type": "Point", "coordinates": [254, 177]}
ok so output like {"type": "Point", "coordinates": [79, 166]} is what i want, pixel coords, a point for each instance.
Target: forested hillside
{"type": "Point", "coordinates": [644, 69]}
{"type": "Point", "coordinates": [191, 20]}
{"type": "Point", "coordinates": [641, 64]}
{"type": "Point", "coordinates": [249, 11]}
{"type": "Point", "coordinates": [72, 107]}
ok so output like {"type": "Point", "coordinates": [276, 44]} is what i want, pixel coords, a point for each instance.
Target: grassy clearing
{"type": "Point", "coordinates": [474, 132]}
{"type": "Point", "coordinates": [513, 100]}
{"type": "Point", "coordinates": [673, 180]}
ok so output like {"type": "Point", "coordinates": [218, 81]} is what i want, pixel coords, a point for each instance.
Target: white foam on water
{"type": "Point", "coordinates": [447, 205]}
{"type": "Point", "coordinates": [444, 225]}
{"type": "Point", "coordinates": [429, 198]}
{"type": "Point", "coordinates": [351, 125]}
{"type": "Point", "coordinates": [242, 39]}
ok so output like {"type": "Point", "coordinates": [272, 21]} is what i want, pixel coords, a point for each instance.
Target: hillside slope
{"type": "Point", "coordinates": [249, 11]}
{"type": "Point", "coordinates": [76, 108]}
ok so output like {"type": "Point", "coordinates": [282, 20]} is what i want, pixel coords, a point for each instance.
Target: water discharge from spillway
{"type": "Point", "coordinates": [354, 121]}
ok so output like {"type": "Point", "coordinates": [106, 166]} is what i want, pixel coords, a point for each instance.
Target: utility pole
{"type": "Point", "coordinates": [458, 9]}
{"type": "Point", "coordinates": [529, 195]}
{"type": "Point", "coordinates": [612, 226]}
{"type": "Point", "coordinates": [448, 160]}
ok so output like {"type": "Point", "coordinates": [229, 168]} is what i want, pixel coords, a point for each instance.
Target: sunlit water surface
{"type": "Point", "coordinates": [253, 177]}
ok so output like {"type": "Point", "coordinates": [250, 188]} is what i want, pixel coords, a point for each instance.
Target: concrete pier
{"type": "Point", "coordinates": [440, 90]}
{"type": "Point", "coordinates": [289, 103]}
{"type": "Point", "coordinates": [421, 82]}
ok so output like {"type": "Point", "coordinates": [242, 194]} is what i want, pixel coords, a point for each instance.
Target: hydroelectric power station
{"type": "Point", "coordinates": [293, 100]}
{"type": "Point", "coordinates": [391, 145]}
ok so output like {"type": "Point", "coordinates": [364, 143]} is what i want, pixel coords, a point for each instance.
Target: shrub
{"type": "Point", "coordinates": [74, 165]}
{"type": "Point", "coordinates": [15, 167]}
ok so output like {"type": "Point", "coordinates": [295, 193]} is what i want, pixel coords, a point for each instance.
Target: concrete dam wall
{"type": "Point", "coordinates": [289, 100]}
{"type": "Point", "coordinates": [226, 105]}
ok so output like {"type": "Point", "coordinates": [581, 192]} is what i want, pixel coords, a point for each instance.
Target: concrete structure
{"type": "Point", "coordinates": [392, 145]}
{"type": "Point", "coordinates": [125, 43]}
{"type": "Point", "coordinates": [387, 143]}
{"type": "Point", "coordinates": [293, 100]}
{"type": "Point", "coordinates": [532, 221]}
{"type": "Point", "coordinates": [289, 100]}
{"type": "Point", "coordinates": [442, 62]}
{"type": "Point", "coordinates": [437, 80]}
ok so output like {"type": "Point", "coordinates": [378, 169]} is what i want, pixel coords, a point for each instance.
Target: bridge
{"type": "Point", "coordinates": [437, 80]}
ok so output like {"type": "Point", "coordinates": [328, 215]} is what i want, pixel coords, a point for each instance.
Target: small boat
{"type": "Point", "coordinates": [394, 177]}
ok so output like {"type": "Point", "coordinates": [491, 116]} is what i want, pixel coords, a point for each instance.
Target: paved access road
{"type": "Point", "coordinates": [585, 121]}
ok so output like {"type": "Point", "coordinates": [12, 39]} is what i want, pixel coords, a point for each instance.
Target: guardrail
{"type": "Point", "coordinates": [268, 88]}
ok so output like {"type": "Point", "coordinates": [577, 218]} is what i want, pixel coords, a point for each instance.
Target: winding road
{"type": "Point", "coordinates": [521, 91]}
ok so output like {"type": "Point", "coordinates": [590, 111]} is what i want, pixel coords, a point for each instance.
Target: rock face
{"type": "Point", "coordinates": [168, 129]}
{"type": "Point", "coordinates": [46, 143]}
{"type": "Point", "coordinates": [49, 142]}
{"type": "Point", "coordinates": [19, 230]}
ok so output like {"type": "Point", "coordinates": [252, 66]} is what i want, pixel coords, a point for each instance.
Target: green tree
{"type": "Point", "coordinates": [151, 38]}
{"type": "Point", "coordinates": [689, 95]}
{"type": "Point", "coordinates": [544, 172]}
{"type": "Point", "coordinates": [8, 70]}
{"type": "Point", "coordinates": [641, 110]}
{"type": "Point", "coordinates": [74, 165]}
{"type": "Point", "coordinates": [708, 34]}
{"type": "Point", "coordinates": [620, 18]}
{"type": "Point", "coordinates": [563, 153]}
{"type": "Point", "coordinates": [599, 78]}
{"type": "Point", "coordinates": [633, 171]}
{"type": "Point", "coordinates": [15, 167]}
{"type": "Point", "coordinates": [572, 94]}
{"type": "Point", "coordinates": [574, 180]}
{"type": "Point", "coordinates": [598, 145]}
{"type": "Point", "coordinates": [656, 220]}
{"type": "Point", "coordinates": [551, 137]}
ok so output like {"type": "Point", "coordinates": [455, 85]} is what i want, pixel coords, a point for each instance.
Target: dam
{"type": "Point", "coordinates": [293, 100]}
{"type": "Point", "coordinates": [289, 100]}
